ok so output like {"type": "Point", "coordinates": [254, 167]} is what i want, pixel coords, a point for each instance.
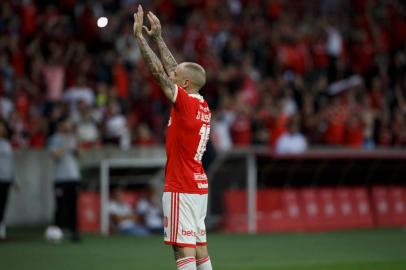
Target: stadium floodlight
{"type": "Point", "coordinates": [105, 167]}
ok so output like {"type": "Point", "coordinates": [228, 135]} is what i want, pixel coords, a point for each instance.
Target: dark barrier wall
{"type": "Point", "coordinates": [316, 168]}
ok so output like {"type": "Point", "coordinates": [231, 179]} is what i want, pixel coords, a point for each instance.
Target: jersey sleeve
{"type": "Point", "coordinates": [181, 100]}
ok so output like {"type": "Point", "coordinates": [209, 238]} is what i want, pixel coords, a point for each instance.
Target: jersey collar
{"type": "Point", "coordinates": [199, 97]}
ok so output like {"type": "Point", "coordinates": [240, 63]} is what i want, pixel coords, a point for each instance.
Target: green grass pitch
{"type": "Point", "coordinates": [347, 250]}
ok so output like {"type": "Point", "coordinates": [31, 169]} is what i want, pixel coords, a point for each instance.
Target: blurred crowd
{"type": "Point", "coordinates": [140, 218]}
{"type": "Point", "coordinates": [332, 71]}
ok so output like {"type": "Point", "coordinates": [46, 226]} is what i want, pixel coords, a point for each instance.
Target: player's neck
{"type": "Point", "coordinates": [192, 91]}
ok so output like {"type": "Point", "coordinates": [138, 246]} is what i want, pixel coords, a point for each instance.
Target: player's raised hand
{"type": "Point", "coordinates": [138, 20]}
{"type": "Point", "coordinates": [155, 31]}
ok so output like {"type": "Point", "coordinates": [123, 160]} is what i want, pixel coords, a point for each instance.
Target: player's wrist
{"type": "Point", "coordinates": [138, 36]}
{"type": "Point", "coordinates": [157, 37]}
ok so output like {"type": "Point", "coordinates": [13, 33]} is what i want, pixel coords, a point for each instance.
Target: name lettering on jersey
{"type": "Point", "coordinates": [200, 176]}
{"type": "Point", "coordinates": [205, 109]}
{"type": "Point", "coordinates": [202, 185]}
{"type": "Point", "coordinates": [205, 117]}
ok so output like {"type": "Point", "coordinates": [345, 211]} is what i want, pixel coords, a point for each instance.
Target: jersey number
{"type": "Point", "coordinates": [204, 137]}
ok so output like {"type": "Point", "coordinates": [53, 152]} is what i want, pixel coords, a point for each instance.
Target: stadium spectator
{"type": "Point", "coordinates": [336, 116]}
{"type": "Point", "coordinates": [149, 209]}
{"type": "Point", "coordinates": [241, 127]}
{"type": "Point", "coordinates": [64, 149]}
{"type": "Point", "coordinates": [124, 220]}
{"type": "Point", "coordinates": [143, 136]}
{"type": "Point", "coordinates": [354, 136]}
{"type": "Point", "coordinates": [292, 141]}
{"type": "Point", "coordinates": [116, 129]}
{"type": "Point", "coordinates": [80, 92]}
{"type": "Point", "coordinates": [86, 127]}
{"type": "Point", "coordinates": [221, 137]}
{"type": "Point", "coordinates": [54, 74]}
{"type": "Point", "coordinates": [254, 51]}
{"type": "Point", "coordinates": [7, 175]}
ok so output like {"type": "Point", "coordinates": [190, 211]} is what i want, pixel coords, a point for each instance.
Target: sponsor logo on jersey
{"type": "Point", "coordinates": [200, 176]}
{"type": "Point", "coordinates": [202, 185]}
{"type": "Point", "coordinates": [188, 233]}
{"type": "Point", "coordinates": [202, 232]}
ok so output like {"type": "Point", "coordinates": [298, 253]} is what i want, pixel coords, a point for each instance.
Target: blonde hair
{"type": "Point", "coordinates": [195, 73]}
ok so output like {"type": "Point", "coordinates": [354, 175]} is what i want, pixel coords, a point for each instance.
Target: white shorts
{"type": "Point", "coordinates": [184, 216]}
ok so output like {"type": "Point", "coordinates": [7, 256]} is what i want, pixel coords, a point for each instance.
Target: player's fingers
{"type": "Point", "coordinates": [153, 15]}
{"type": "Point", "coordinates": [155, 18]}
{"type": "Point", "coordinates": [140, 15]}
{"type": "Point", "coordinates": [149, 32]}
{"type": "Point", "coordinates": [151, 20]}
{"type": "Point", "coordinates": [135, 21]}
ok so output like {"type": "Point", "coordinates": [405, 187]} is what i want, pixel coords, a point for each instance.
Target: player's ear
{"type": "Point", "coordinates": [186, 83]}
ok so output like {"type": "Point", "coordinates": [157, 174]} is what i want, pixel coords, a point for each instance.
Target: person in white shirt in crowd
{"type": "Point", "coordinates": [7, 173]}
{"type": "Point", "coordinates": [292, 141]}
{"type": "Point", "coordinates": [6, 107]}
{"type": "Point", "coordinates": [150, 210]}
{"type": "Point", "coordinates": [86, 126]}
{"type": "Point", "coordinates": [122, 216]}
{"type": "Point", "coordinates": [116, 129]}
{"type": "Point", "coordinates": [64, 150]}
{"type": "Point", "coordinates": [79, 92]}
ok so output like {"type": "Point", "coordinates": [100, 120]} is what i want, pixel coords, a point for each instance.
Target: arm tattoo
{"type": "Point", "coordinates": [155, 67]}
{"type": "Point", "coordinates": [168, 60]}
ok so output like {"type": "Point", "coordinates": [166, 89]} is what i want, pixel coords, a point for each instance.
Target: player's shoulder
{"type": "Point", "coordinates": [197, 97]}
{"type": "Point", "coordinates": [192, 97]}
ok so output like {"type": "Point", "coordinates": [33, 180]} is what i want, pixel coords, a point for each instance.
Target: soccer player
{"type": "Point", "coordinates": [185, 192]}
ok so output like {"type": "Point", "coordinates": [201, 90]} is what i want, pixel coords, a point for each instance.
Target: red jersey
{"type": "Point", "coordinates": [187, 135]}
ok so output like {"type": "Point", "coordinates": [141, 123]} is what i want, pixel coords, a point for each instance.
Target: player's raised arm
{"type": "Point", "coordinates": [155, 33]}
{"type": "Point", "coordinates": [151, 60]}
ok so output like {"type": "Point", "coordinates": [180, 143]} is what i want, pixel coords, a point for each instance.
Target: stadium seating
{"type": "Point", "coordinates": [389, 205]}
{"type": "Point", "coordinates": [89, 211]}
{"type": "Point", "coordinates": [317, 209]}
{"type": "Point", "coordinates": [89, 208]}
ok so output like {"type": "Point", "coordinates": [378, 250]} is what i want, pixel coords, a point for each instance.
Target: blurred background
{"type": "Point", "coordinates": [308, 103]}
